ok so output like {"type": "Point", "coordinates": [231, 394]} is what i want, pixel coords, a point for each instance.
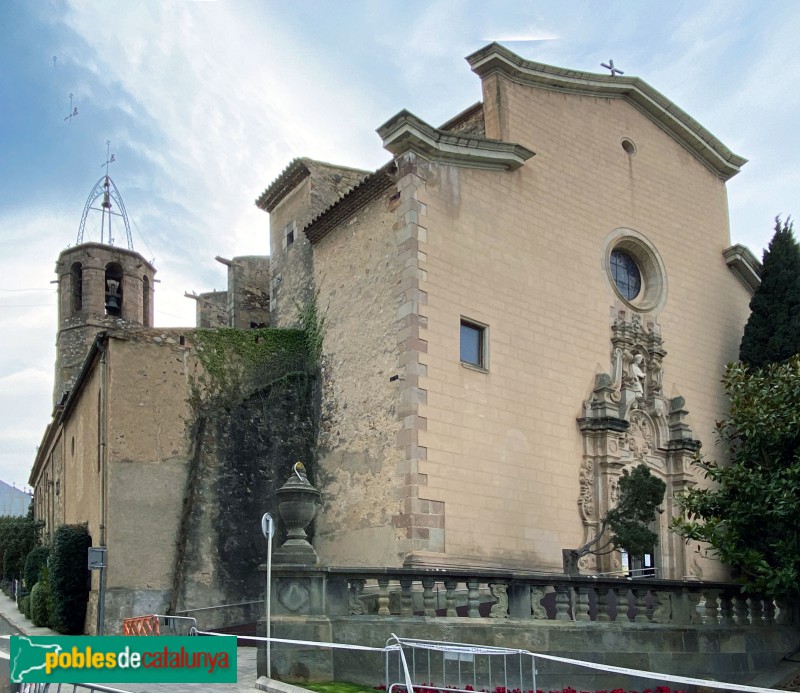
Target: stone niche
{"type": "Point", "coordinates": [627, 421]}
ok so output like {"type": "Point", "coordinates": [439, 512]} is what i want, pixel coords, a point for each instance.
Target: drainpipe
{"type": "Point", "coordinates": [102, 443]}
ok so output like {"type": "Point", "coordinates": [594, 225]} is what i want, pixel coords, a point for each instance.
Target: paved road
{"type": "Point", "coordinates": [5, 629]}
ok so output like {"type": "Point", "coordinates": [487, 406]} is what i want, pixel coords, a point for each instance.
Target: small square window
{"type": "Point", "coordinates": [473, 344]}
{"type": "Point", "coordinates": [290, 238]}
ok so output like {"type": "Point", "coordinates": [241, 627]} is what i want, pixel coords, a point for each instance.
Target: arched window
{"type": "Point", "coordinates": [76, 286]}
{"type": "Point", "coordinates": [146, 302]}
{"type": "Point", "coordinates": [113, 289]}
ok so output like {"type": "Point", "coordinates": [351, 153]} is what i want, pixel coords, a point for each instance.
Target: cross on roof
{"type": "Point", "coordinates": [614, 70]}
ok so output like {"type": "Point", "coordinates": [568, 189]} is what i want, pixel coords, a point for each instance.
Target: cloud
{"type": "Point", "coordinates": [523, 37]}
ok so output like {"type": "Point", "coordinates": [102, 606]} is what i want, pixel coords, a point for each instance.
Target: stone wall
{"type": "Point", "coordinates": [248, 291]}
{"type": "Point", "coordinates": [292, 281]}
{"type": "Point", "coordinates": [180, 490]}
{"type": "Point", "coordinates": [684, 628]}
{"type": "Point", "coordinates": [524, 254]}
{"type": "Point", "coordinates": [357, 271]}
{"type": "Point", "coordinates": [728, 654]}
{"type": "Point", "coordinates": [242, 456]}
{"type": "Point", "coordinates": [212, 309]}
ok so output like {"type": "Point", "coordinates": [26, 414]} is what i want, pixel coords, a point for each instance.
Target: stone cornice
{"type": "Point", "coordinates": [495, 58]}
{"type": "Point", "coordinates": [744, 265]}
{"type": "Point", "coordinates": [83, 249]}
{"type": "Point", "coordinates": [405, 132]}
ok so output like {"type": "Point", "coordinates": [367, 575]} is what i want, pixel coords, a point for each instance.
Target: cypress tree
{"type": "Point", "coordinates": [772, 333]}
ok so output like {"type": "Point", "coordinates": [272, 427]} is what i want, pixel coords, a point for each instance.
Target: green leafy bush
{"type": "Point", "coordinates": [41, 601]}
{"type": "Point", "coordinates": [18, 535]}
{"type": "Point", "coordinates": [749, 515]}
{"type": "Point", "coordinates": [36, 560]}
{"type": "Point", "coordinates": [25, 605]}
{"type": "Point", "coordinates": [69, 578]}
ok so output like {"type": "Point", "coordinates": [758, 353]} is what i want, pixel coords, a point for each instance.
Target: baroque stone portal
{"type": "Point", "coordinates": [627, 421]}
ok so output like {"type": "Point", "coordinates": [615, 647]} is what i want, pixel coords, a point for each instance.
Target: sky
{"type": "Point", "coordinates": [204, 104]}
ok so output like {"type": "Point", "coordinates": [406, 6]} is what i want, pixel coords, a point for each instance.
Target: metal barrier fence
{"type": "Point", "coordinates": [159, 624]}
{"type": "Point", "coordinates": [64, 688]}
{"type": "Point", "coordinates": [419, 666]}
{"type": "Point", "coordinates": [459, 667]}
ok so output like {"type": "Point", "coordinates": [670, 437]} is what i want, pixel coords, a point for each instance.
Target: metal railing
{"type": "Point", "coordinates": [63, 688]}
{"type": "Point", "coordinates": [219, 606]}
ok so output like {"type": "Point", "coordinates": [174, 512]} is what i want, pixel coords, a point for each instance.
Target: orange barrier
{"type": "Point", "coordinates": [141, 625]}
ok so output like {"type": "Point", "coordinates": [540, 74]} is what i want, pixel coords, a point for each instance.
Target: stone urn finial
{"type": "Point", "coordinates": [297, 505]}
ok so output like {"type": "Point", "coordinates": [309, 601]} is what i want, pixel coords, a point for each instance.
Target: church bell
{"type": "Point", "coordinates": [112, 297]}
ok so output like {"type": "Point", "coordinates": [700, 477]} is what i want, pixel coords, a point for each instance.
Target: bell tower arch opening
{"type": "Point", "coordinates": [76, 287]}
{"type": "Point", "coordinates": [113, 284]}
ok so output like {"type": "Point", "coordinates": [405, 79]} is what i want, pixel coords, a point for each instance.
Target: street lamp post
{"type": "Point", "coordinates": [268, 530]}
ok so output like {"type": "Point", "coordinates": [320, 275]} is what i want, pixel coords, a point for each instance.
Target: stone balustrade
{"type": "Point", "coordinates": [315, 590]}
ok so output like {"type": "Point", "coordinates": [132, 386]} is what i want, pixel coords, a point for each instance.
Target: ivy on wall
{"type": "Point", "coordinates": [238, 362]}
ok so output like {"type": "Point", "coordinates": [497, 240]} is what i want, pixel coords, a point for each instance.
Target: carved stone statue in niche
{"type": "Point", "coordinates": [637, 375]}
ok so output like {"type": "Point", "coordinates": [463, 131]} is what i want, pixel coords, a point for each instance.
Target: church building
{"type": "Point", "coordinates": [520, 305]}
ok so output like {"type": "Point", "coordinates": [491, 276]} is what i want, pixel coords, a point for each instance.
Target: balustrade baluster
{"type": "Point", "coordinates": [406, 607]}
{"type": "Point", "coordinates": [450, 596]}
{"type": "Point", "coordinates": [383, 596]}
{"type": "Point", "coordinates": [473, 599]}
{"type": "Point", "coordinates": [712, 606]}
{"type": "Point", "coordinates": [769, 612]}
{"type": "Point", "coordinates": [640, 604]}
{"type": "Point", "coordinates": [562, 603]}
{"type": "Point", "coordinates": [784, 616]}
{"type": "Point", "coordinates": [756, 611]}
{"type": "Point", "coordinates": [602, 604]}
{"type": "Point", "coordinates": [726, 609]}
{"type": "Point", "coordinates": [741, 611]}
{"type": "Point", "coordinates": [428, 602]}
{"type": "Point", "coordinates": [581, 607]}
{"type": "Point", "coordinates": [694, 606]}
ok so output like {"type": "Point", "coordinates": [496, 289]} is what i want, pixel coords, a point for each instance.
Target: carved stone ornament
{"type": "Point", "coordinates": [500, 607]}
{"type": "Point", "coordinates": [537, 610]}
{"type": "Point", "coordinates": [293, 595]}
{"type": "Point", "coordinates": [356, 606]}
{"type": "Point", "coordinates": [639, 439]}
{"type": "Point", "coordinates": [627, 421]}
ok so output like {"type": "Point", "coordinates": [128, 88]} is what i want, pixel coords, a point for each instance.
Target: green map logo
{"type": "Point", "coordinates": [122, 659]}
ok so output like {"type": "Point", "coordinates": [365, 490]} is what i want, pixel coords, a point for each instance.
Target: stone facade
{"type": "Point", "coordinates": [304, 189]}
{"type": "Point", "coordinates": [162, 479]}
{"type": "Point", "coordinates": [212, 309]}
{"type": "Point", "coordinates": [485, 377]}
{"type": "Point", "coordinates": [248, 291]}
{"type": "Point", "coordinates": [245, 304]}
{"type": "Point", "coordinates": [505, 224]}
{"type": "Point", "coordinates": [99, 287]}
{"type": "Point", "coordinates": [170, 489]}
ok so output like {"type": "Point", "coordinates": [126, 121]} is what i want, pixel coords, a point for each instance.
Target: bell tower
{"type": "Point", "coordinates": [101, 287]}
